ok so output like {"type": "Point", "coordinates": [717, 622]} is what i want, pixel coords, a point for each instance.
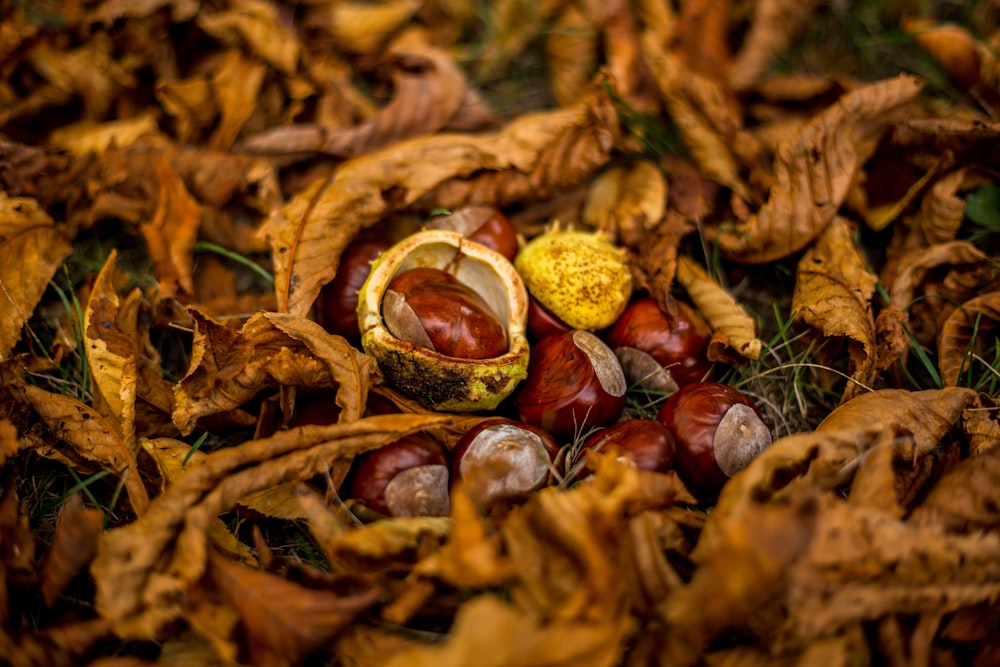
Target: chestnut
{"type": "Point", "coordinates": [679, 347]}
{"type": "Point", "coordinates": [503, 459]}
{"type": "Point", "coordinates": [542, 322]}
{"type": "Point", "coordinates": [338, 300]}
{"type": "Point", "coordinates": [648, 443]}
{"type": "Point", "coordinates": [718, 431]}
{"type": "Point", "coordinates": [432, 308]}
{"type": "Point", "coordinates": [485, 225]}
{"type": "Point", "coordinates": [574, 384]}
{"type": "Point", "coordinates": [406, 478]}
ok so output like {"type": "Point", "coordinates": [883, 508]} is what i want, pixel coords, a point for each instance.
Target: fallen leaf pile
{"type": "Point", "coordinates": [178, 182]}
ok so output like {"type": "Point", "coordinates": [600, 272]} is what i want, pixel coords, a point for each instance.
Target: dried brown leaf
{"type": "Point", "coordinates": [172, 230]}
{"type": "Point", "coordinates": [31, 249]}
{"type": "Point", "coordinates": [773, 28]}
{"type": "Point", "coordinates": [571, 51]}
{"type": "Point", "coordinates": [966, 499]}
{"type": "Point", "coordinates": [833, 292]}
{"type": "Point", "coordinates": [969, 332]}
{"type": "Point", "coordinates": [735, 332]}
{"type": "Point", "coordinates": [264, 620]}
{"type": "Point", "coordinates": [814, 171]}
{"type": "Point", "coordinates": [109, 342]}
{"type": "Point", "coordinates": [513, 24]}
{"type": "Point", "coordinates": [491, 633]}
{"type": "Point", "coordinates": [360, 27]}
{"type": "Point", "coordinates": [10, 444]}
{"type": "Point", "coordinates": [236, 84]}
{"type": "Point", "coordinates": [81, 437]}
{"type": "Point", "coordinates": [627, 201]}
{"type": "Point", "coordinates": [257, 25]}
{"type": "Point", "coordinates": [537, 154]}
{"type": "Point", "coordinates": [82, 138]}
{"type": "Point", "coordinates": [143, 569]}
{"type": "Point", "coordinates": [981, 423]}
{"type": "Point", "coordinates": [73, 545]}
{"type": "Point", "coordinates": [386, 543]}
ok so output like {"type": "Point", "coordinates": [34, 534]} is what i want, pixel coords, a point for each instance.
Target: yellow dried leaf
{"type": "Point", "coordinates": [189, 102]}
{"type": "Point", "coordinates": [236, 83]}
{"type": "Point", "coordinates": [833, 292]}
{"type": "Point", "coordinates": [814, 171]}
{"type": "Point", "coordinates": [970, 331]}
{"type": "Point", "coordinates": [627, 201]}
{"type": "Point", "coordinates": [257, 25]}
{"type": "Point", "coordinates": [109, 342]}
{"type": "Point", "coordinates": [735, 336]}
{"type": "Point", "coordinates": [361, 27]}
{"type": "Point", "coordinates": [83, 138]}
{"type": "Point", "coordinates": [31, 249]}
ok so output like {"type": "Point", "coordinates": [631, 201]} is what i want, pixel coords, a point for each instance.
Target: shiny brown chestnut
{"type": "Point", "coordinates": [542, 322]}
{"type": "Point", "coordinates": [406, 478]}
{"type": "Point", "coordinates": [718, 431]}
{"type": "Point", "coordinates": [486, 225]}
{"type": "Point", "coordinates": [574, 384]}
{"type": "Point", "coordinates": [432, 308]}
{"type": "Point", "coordinates": [503, 459]}
{"type": "Point", "coordinates": [678, 347]}
{"type": "Point", "coordinates": [648, 443]}
{"type": "Point", "coordinates": [338, 300]}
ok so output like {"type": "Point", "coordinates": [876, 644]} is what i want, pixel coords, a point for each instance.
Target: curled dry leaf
{"type": "Point", "coordinates": [144, 569]}
{"type": "Point", "coordinates": [981, 423]}
{"type": "Point", "coordinates": [829, 456]}
{"type": "Point", "coordinates": [537, 154]}
{"type": "Point", "coordinates": [172, 230]}
{"type": "Point", "coordinates": [385, 544]}
{"type": "Point", "coordinates": [627, 201]}
{"type": "Point", "coordinates": [814, 171]}
{"type": "Point", "coordinates": [364, 28]}
{"type": "Point", "coordinates": [229, 367]}
{"type": "Point", "coordinates": [110, 342]}
{"type": "Point", "coordinates": [735, 332]}
{"type": "Point", "coordinates": [833, 292]}
{"type": "Point", "coordinates": [31, 249]}
{"type": "Point", "coordinates": [257, 26]}
{"type": "Point", "coordinates": [890, 475]}
{"type": "Point", "coordinates": [571, 54]}
{"type": "Point", "coordinates": [236, 84]}
{"type": "Point", "coordinates": [969, 332]}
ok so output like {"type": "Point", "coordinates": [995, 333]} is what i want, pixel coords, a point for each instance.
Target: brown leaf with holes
{"type": "Point", "coordinates": [833, 294]}
{"type": "Point", "coordinates": [735, 332]}
{"type": "Point", "coordinates": [32, 247]}
{"type": "Point", "coordinates": [73, 545]}
{"type": "Point", "coordinates": [814, 171]}
{"type": "Point", "coordinates": [969, 333]}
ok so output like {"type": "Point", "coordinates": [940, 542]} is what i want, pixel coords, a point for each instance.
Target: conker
{"type": "Point", "coordinates": [485, 225]}
{"type": "Point", "coordinates": [649, 444]}
{"type": "Point", "coordinates": [338, 300]}
{"type": "Point", "coordinates": [718, 432]}
{"type": "Point", "coordinates": [432, 308]}
{"type": "Point", "coordinates": [542, 322]}
{"type": "Point", "coordinates": [503, 459]}
{"type": "Point", "coordinates": [574, 383]}
{"type": "Point", "coordinates": [406, 478]}
{"type": "Point", "coordinates": [679, 347]}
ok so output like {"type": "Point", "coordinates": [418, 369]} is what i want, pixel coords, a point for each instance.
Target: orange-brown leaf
{"type": "Point", "coordinates": [833, 292]}
{"type": "Point", "coordinates": [627, 201]}
{"type": "Point", "coordinates": [172, 230]}
{"type": "Point", "coordinates": [970, 331]}
{"type": "Point", "coordinates": [73, 545]}
{"type": "Point", "coordinates": [735, 337]}
{"type": "Point", "coordinates": [814, 171]}
{"type": "Point", "coordinates": [31, 249]}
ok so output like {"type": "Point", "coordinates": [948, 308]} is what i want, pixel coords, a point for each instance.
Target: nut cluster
{"type": "Point", "coordinates": [447, 313]}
